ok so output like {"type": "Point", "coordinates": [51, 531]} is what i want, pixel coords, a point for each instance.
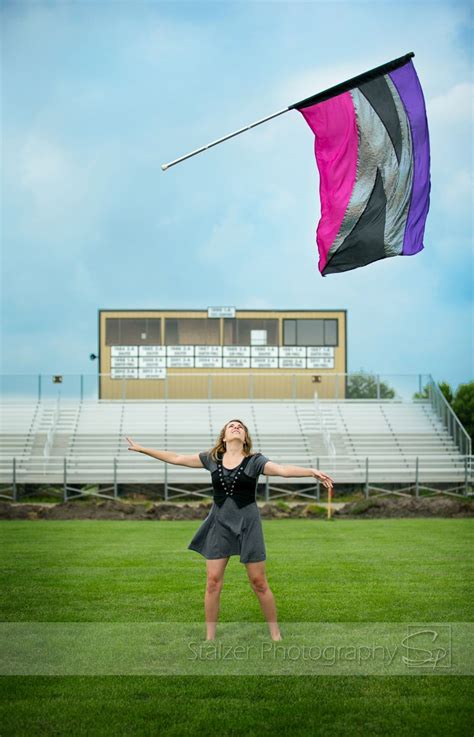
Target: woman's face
{"type": "Point", "coordinates": [234, 429]}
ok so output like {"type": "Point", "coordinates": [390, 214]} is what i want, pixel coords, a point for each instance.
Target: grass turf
{"type": "Point", "coordinates": [411, 570]}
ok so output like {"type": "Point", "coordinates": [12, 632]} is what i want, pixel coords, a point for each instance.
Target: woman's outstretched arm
{"type": "Point", "coordinates": [167, 455]}
{"type": "Point", "coordinates": [275, 469]}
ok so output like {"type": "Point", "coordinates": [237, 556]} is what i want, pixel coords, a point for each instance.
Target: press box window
{"type": "Point", "coordinates": [250, 331]}
{"type": "Point", "coordinates": [330, 332]}
{"type": "Point", "coordinates": [191, 331]}
{"type": "Point", "coordinates": [133, 331]}
{"type": "Point", "coordinates": [289, 332]}
{"type": "Point", "coordinates": [317, 332]}
{"type": "Point", "coordinates": [310, 332]}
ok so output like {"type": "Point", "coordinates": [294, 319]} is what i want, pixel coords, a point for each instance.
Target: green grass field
{"type": "Point", "coordinates": [397, 570]}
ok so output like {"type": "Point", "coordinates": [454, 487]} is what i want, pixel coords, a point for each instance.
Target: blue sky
{"type": "Point", "coordinates": [97, 95]}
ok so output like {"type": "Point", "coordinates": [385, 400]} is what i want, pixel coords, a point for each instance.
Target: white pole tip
{"type": "Point", "coordinates": [164, 167]}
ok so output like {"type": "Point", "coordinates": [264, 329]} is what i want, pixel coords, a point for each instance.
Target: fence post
{"type": "Point", "coordinates": [166, 482]}
{"type": "Point", "coordinates": [366, 477]}
{"type": "Point", "coordinates": [65, 480]}
{"type": "Point", "coordinates": [417, 484]}
{"type": "Point", "coordinates": [318, 488]}
{"type": "Point", "coordinates": [115, 478]}
{"type": "Point", "coordinates": [465, 474]}
{"type": "Point", "coordinates": [14, 479]}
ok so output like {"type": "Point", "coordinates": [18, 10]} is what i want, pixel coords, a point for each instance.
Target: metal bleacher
{"type": "Point", "coordinates": [72, 442]}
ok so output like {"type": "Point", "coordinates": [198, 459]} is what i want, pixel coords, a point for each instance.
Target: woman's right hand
{"type": "Point", "coordinates": [133, 446]}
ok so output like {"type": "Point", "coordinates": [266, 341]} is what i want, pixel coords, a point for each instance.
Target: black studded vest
{"type": "Point", "coordinates": [241, 488]}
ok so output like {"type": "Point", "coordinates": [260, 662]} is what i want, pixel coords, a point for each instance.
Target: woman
{"type": "Point", "coordinates": [233, 526]}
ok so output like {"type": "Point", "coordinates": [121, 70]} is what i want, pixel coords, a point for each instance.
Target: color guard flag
{"type": "Point", "coordinates": [372, 152]}
{"type": "Point", "coordinates": [373, 155]}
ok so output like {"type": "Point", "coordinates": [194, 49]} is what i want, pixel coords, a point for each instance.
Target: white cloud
{"type": "Point", "coordinates": [158, 39]}
{"type": "Point", "coordinates": [458, 193]}
{"type": "Point", "coordinates": [230, 243]}
{"type": "Point", "coordinates": [304, 84]}
{"type": "Point", "coordinates": [450, 121]}
{"type": "Point", "coordinates": [65, 349]}
{"type": "Point", "coordinates": [452, 106]}
{"type": "Point", "coordinates": [52, 175]}
{"type": "Point", "coordinates": [255, 302]}
{"type": "Point", "coordinates": [58, 193]}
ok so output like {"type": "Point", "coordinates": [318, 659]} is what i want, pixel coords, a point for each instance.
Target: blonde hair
{"type": "Point", "coordinates": [219, 447]}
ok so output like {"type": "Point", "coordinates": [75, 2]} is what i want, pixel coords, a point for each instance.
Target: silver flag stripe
{"type": "Point", "coordinates": [375, 151]}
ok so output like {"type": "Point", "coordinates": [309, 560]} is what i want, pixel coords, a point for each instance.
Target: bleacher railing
{"type": "Point", "coordinates": [92, 475]}
{"type": "Point", "coordinates": [449, 419]}
{"type": "Point", "coordinates": [249, 385]}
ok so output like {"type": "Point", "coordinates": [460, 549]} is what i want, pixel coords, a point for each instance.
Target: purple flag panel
{"type": "Point", "coordinates": [372, 152]}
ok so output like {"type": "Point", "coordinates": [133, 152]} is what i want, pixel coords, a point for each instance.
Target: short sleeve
{"type": "Point", "coordinates": [205, 460]}
{"type": "Point", "coordinates": [257, 463]}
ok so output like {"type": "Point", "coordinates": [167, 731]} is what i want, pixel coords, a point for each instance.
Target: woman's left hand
{"type": "Point", "coordinates": [326, 480]}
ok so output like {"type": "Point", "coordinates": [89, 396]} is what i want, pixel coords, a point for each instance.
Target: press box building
{"type": "Point", "coordinates": [222, 353]}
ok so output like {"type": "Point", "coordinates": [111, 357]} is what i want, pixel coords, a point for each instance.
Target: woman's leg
{"type": "Point", "coordinates": [215, 579]}
{"type": "Point", "coordinates": [259, 583]}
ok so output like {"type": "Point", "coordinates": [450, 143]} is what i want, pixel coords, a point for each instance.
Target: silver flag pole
{"type": "Point", "coordinates": [224, 138]}
{"type": "Point", "coordinates": [319, 97]}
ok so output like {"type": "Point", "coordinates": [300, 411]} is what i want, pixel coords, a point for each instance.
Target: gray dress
{"type": "Point", "coordinates": [228, 530]}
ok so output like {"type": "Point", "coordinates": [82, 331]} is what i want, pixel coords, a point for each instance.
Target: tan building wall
{"type": "Point", "coordinates": [120, 331]}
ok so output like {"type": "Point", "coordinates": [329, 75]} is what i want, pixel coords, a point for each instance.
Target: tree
{"type": "Point", "coordinates": [461, 401]}
{"type": "Point", "coordinates": [424, 394]}
{"type": "Point", "coordinates": [447, 391]}
{"type": "Point", "coordinates": [364, 386]}
{"type": "Point", "coordinates": [463, 406]}
{"type": "Point", "coordinates": [444, 388]}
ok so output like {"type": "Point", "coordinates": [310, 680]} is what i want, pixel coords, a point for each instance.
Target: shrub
{"type": "Point", "coordinates": [282, 506]}
{"type": "Point", "coordinates": [314, 510]}
{"type": "Point", "coordinates": [362, 506]}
